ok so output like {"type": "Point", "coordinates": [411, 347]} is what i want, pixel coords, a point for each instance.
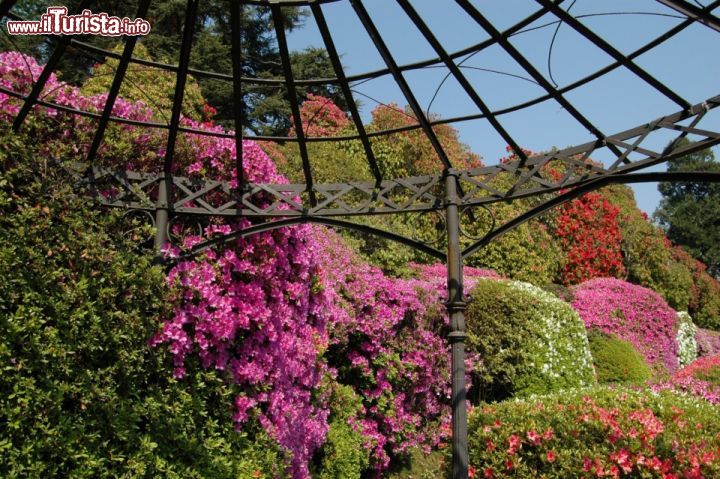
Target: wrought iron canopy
{"type": "Point", "coordinates": [628, 150]}
{"type": "Point", "coordinates": [166, 192]}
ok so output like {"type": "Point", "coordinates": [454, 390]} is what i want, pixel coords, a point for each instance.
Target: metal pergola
{"type": "Point", "coordinates": [165, 195]}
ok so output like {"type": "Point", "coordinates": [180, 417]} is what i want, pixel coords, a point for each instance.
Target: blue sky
{"type": "Point", "coordinates": [688, 63]}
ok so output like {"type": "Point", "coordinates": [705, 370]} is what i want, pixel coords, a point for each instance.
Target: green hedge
{"type": "Point", "coordinates": [344, 455]}
{"type": "Point", "coordinates": [598, 432]}
{"type": "Point", "coordinates": [617, 361]}
{"type": "Point", "coordinates": [82, 394]}
{"type": "Point", "coordinates": [527, 341]}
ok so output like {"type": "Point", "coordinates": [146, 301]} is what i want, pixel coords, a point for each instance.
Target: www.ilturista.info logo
{"type": "Point", "coordinates": [57, 22]}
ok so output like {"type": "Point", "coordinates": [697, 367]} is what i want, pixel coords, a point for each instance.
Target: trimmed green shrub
{"type": "Point", "coordinates": [527, 341]}
{"type": "Point", "coordinates": [616, 361]}
{"type": "Point", "coordinates": [344, 455]}
{"type": "Point", "coordinates": [82, 395]}
{"type": "Point", "coordinates": [598, 432]}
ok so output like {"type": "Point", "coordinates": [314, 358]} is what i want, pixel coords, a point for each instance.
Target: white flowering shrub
{"type": "Point", "coordinates": [527, 341]}
{"type": "Point", "coordinates": [687, 345]}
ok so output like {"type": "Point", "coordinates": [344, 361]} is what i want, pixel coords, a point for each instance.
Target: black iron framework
{"type": "Point", "coordinates": [165, 195]}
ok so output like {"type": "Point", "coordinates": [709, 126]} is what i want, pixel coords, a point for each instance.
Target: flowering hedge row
{"type": "Point", "coordinates": [588, 230]}
{"type": "Point", "coordinates": [708, 342]}
{"type": "Point", "coordinates": [596, 433]}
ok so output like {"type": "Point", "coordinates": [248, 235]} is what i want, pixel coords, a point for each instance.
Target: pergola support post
{"type": "Point", "coordinates": [162, 215]}
{"type": "Point", "coordinates": [456, 310]}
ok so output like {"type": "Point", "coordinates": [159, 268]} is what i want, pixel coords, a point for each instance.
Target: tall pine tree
{"type": "Point", "coordinates": [690, 212]}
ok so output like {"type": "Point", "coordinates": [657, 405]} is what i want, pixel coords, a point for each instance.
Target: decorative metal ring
{"type": "Point", "coordinates": [417, 227]}
{"type": "Point", "coordinates": [476, 237]}
{"type": "Point", "coordinates": [179, 227]}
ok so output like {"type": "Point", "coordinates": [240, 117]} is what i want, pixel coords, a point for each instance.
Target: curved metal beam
{"type": "Point", "coordinates": [691, 11]}
{"type": "Point", "coordinates": [677, 176]}
{"type": "Point", "coordinates": [273, 225]}
{"type": "Point", "coordinates": [457, 119]}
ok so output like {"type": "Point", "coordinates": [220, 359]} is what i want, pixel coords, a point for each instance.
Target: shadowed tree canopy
{"type": "Point", "coordinates": [266, 108]}
{"type": "Point", "coordinates": [689, 211]}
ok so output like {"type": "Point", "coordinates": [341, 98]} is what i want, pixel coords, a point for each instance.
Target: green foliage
{"type": "Point", "coordinates": [81, 393]}
{"type": "Point", "coordinates": [706, 310]}
{"type": "Point", "coordinates": [616, 361]}
{"type": "Point", "coordinates": [704, 304]}
{"type": "Point", "coordinates": [154, 87]}
{"type": "Point", "coordinates": [711, 375]}
{"type": "Point", "coordinates": [689, 212]}
{"type": "Point", "coordinates": [344, 455]}
{"type": "Point", "coordinates": [527, 341]}
{"type": "Point", "coordinates": [421, 465]}
{"type": "Point", "coordinates": [648, 255]}
{"type": "Point", "coordinates": [527, 253]}
{"type": "Point", "coordinates": [597, 432]}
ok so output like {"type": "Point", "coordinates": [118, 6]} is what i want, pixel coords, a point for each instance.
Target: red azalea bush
{"type": "Point", "coordinates": [631, 313]}
{"type": "Point", "coordinates": [598, 432]}
{"type": "Point", "coordinates": [589, 233]}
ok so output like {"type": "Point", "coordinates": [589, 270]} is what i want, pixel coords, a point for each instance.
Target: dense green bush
{"type": "Point", "coordinates": [599, 432]}
{"type": "Point", "coordinates": [616, 361]}
{"type": "Point", "coordinates": [527, 341]}
{"type": "Point", "coordinates": [344, 455]}
{"type": "Point", "coordinates": [82, 394]}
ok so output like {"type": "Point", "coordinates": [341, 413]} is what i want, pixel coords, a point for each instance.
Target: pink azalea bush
{"type": "Point", "coordinates": [708, 342]}
{"type": "Point", "coordinates": [632, 313]}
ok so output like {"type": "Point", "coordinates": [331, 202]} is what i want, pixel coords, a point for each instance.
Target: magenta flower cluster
{"type": "Point", "coordinates": [632, 313]}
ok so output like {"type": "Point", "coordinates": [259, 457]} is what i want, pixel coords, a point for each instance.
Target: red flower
{"type": "Point", "coordinates": [551, 456]}
{"type": "Point", "coordinates": [514, 442]}
{"type": "Point", "coordinates": [488, 473]}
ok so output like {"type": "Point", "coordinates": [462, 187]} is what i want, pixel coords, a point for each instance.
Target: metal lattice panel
{"type": "Point", "coordinates": [423, 193]}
